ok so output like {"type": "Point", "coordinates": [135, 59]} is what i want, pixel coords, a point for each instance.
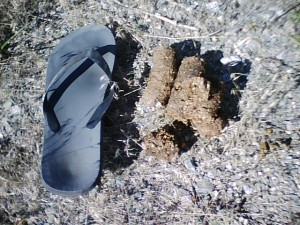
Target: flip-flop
{"type": "Point", "coordinates": [78, 92]}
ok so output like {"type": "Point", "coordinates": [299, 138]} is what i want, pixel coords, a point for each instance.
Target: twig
{"type": "Point", "coordinates": [173, 22]}
{"type": "Point", "coordinates": [214, 215]}
{"type": "Point", "coordinates": [128, 93]}
{"type": "Point", "coordinates": [129, 138]}
{"type": "Point", "coordinates": [186, 37]}
{"type": "Point", "coordinates": [158, 16]}
{"type": "Point", "coordinates": [285, 12]}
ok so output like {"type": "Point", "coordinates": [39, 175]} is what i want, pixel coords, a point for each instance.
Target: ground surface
{"type": "Point", "coordinates": [249, 174]}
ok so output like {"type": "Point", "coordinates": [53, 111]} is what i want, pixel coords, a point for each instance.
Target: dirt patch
{"type": "Point", "coordinates": [161, 143]}
{"type": "Point", "coordinates": [170, 140]}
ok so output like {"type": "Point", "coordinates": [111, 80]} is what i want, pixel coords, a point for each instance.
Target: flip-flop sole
{"type": "Point", "coordinates": [71, 161]}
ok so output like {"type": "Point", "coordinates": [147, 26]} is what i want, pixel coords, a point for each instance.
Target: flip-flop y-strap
{"type": "Point", "coordinates": [78, 92]}
{"type": "Point", "coordinates": [93, 55]}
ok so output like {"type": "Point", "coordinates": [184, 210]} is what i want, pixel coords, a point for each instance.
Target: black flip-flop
{"type": "Point", "coordinates": [78, 92]}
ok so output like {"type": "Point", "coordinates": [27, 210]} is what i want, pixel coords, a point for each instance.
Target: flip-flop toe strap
{"type": "Point", "coordinates": [92, 55]}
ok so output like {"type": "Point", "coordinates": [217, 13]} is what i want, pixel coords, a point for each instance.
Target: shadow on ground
{"type": "Point", "coordinates": [120, 133]}
{"type": "Point", "coordinates": [233, 79]}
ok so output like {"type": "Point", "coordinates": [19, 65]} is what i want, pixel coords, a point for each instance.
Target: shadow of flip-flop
{"type": "Point", "coordinates": [121, 145]}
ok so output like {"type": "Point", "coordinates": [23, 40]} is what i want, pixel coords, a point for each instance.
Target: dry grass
{"type": "Point", "coordinates": [212, 182]}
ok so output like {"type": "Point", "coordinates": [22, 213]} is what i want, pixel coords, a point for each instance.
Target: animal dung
{"type": "Point", "coordinates": [162, 144]}
{"type": "Point", "coordinates": [194, 99]}
{"type": "Point", "coordinates": [181, 96]}
{"type": "Point", "coordinates": [161, 78]}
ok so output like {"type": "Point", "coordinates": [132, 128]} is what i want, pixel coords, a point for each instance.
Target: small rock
{"type": "Point", "coordinates": [6, 127]}
{"type": "Point", "coordinates": [203, 187]}
{"type": "Point", "coordinates": [230, 59]}
{"type": "Point", "coordinates": [247, 189]}
{"type": "Point", "coordinates": [186, 199]}
{"type": "Point", "coordinates": [213, 6]}
{"type": "Point", "coordinates": [189, 165]}
{"type": "Point", "coordinates": [15, 110]}
{"type": "Point", "coordinates": [7, 105]}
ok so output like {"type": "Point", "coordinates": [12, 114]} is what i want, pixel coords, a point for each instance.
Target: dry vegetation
{"type": "Point", "coordinates": [248, 174]}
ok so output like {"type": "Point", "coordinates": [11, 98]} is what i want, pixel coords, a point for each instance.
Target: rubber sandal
{"type": "Point", "coordinates": [78, 92]}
